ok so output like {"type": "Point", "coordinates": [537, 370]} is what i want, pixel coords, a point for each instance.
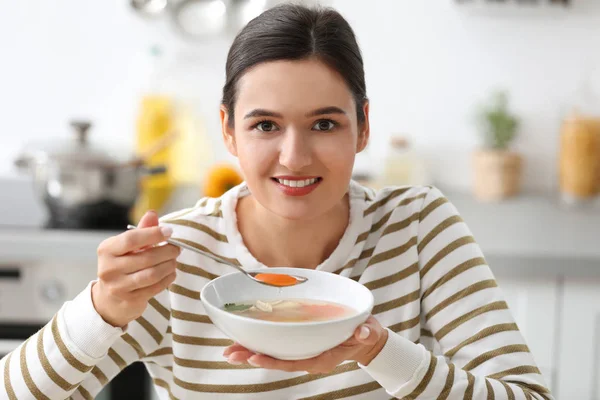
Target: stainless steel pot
{"type": "Point", "coordinates": [77, 180]}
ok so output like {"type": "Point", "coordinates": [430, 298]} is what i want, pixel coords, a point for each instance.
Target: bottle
{"type": "Point", "coordinates": [403, 165]}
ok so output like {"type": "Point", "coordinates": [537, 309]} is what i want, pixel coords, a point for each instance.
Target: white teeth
{"type": "Point", "coordinates": [295, 183]}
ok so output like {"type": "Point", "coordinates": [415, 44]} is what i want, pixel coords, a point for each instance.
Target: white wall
{"type": "Point", "coordinates": [427, 64]}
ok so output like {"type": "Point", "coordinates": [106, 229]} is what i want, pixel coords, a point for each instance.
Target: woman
{"type": "Point", "coordinates": [295, 113]}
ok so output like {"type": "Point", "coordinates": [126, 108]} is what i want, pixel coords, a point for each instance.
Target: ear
{"type": "Point", "coordinates": [227, 131]}
{"type": "Point", "coordinates": [363, 130]}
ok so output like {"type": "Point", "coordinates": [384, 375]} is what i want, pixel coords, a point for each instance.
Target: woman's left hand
{"type": "Point", "coordinates": [367, 341]}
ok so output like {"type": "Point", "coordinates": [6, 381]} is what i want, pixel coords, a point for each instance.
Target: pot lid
{"type": "Point", "coordinates": [77, 149]}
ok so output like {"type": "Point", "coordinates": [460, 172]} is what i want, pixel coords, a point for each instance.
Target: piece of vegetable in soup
{"type": "Point", "coordinates": [290, 310]}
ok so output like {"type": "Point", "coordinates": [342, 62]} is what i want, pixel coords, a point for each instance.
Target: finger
{"type": "Point", "coordinates": [233, 348]}
{"type": "Point", "coordinates": [136, 239]}
{"type": "Point", "coordinates": [266, 362]}
{"type": "Point", "coordinates": [150, 218]}
{"type": "Point", "coordinates": [149, 276]}
{"type": "Point", "coordinates": [240, 357]}
{"type": "Point", "coordinates": [153, 290]}
{"type": "Point", "coordinates": [148, 258]}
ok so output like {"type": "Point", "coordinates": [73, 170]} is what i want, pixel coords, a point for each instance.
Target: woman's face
{"type": "Point", "coordinates": [296, 135]}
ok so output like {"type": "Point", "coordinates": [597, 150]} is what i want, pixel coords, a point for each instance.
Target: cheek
{"type": "Point", "coordinates": [255, 156]}
{"type": "Point", "coordinates": [337, 155]}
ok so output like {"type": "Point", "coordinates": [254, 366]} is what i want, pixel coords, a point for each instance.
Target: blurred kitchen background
{"type": "Point", "coordinates": [110, 108]}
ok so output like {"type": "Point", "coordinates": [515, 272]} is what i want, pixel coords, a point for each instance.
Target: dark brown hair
{"type": "Point", "coordinates": [295, 32]}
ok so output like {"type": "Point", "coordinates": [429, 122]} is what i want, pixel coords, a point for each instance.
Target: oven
{"type": "Point", "coordinates": [33, 288]}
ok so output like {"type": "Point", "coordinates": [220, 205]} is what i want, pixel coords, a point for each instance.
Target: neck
{"type": "Point", "coordinates": [280, 242]}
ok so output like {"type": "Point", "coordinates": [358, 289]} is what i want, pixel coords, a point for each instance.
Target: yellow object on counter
{"type": "Point", "coordinates": [156, 119]}
{"type": "Point", "coordinates": [220, 179]}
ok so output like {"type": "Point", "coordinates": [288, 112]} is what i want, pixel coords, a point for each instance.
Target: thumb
{"type": "Point", "coordinates": [366, 334]}
{"type": "Point", "coordinates": [149, 219]}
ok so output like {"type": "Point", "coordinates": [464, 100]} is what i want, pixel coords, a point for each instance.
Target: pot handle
{"type": "Point", "coordinates": [156, 170]}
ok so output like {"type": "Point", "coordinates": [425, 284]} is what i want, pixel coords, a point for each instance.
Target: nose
{"type": "Point", "coordinates": [296, 151]}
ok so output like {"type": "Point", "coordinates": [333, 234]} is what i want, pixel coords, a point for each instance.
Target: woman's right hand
{"type": "Point", "coordinates": [131, 271]}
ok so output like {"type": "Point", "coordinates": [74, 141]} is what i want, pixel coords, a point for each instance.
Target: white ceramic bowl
{"type": "Point", "coordinates": [287, 340]}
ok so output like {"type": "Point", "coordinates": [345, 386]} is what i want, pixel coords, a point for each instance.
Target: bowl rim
{"type": "Point", "coordinates": [367, 310]}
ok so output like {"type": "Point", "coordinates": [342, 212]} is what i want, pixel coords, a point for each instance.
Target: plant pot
{"type": "Point", "coordinates": [497, 174]}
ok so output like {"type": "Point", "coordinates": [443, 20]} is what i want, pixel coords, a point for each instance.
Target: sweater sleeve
{"type": "Point", "coordinates": [484, 354]}
{"type": "Point", "coordinates": [77, 353]}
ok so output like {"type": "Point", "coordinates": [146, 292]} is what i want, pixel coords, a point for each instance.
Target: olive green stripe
{"type": "Point", "coordinates": [444, 253]}
{"type": "Point", "coordinates": [399, 302]}
{"type": "Point", "coordinates": [162, 310]}
{"type": "Point", "coordinates": [200, 227]}
{"type": "Point", "coordinates": [27, 376]}
{"type": "Point", "coordinates": [470, 387]}
{"type": "Point", "coordinates": [426, 333]}
{"type": "Point", "coordinates": [454, 272]}
{"type": "Point", "coordinates": [50, 371]}
{"type": "Point", "coordinates": [180, 290]}
{"type": "Point", "coordinates": [377, 225]}
{"type": "Point", "coordinates": [86, 395]}
{"type": "Point", "coordinates": [488, 355]}
{"type": "Point", "coordinates": [398, 226]}
{"type": "Point", "coordinates": [390, 196]}
{"type": "Point", "coordinates": [185, 316]}
{"type": "Point", "coordinates": [346, 392]}
{"type": "Point", "coordinates": [263, 387]}
{"type": "Point", "coordinates": [97, 372]}
{"type": "Point", "coordinates": [161, 352]}
{"type": "Point", "coordinates": [490, 390]}
{"type": "Point", "coordinates": [521, 370]}
{"type": "Point", "coordinates": [199, 364]}
{"type": "Point", "coordinates": [425, 381]}
{"type": "Point", "coordinates": [393, 253]}
{"type": "Point", "coordinates": [7, 383]}
{"type": "Point", "coordinates": [226, 260]}
{"type": "Point", "coordinates": [117, 359]}
{"type": "Point", "coordinates": [431, 207]}
{"type": "Point", "coordinates": [509, 392]}
{"type": "Point", "coordinates": [539, 389]}
{"type": "Point", "coordinates": [127, 338]}
{"type": "Point", "coordinates": [152, 331]}
{"type": "Point", "coordinates": [474, 288]}
{"type": "Point", "coordinates": [74, 362]}
{"type": "Point", "coordinates": [411, 323]}
{"type": "Point", "coordinates": [437, 230]}
{"type": "Point", "coordinates": [495, 306]}
{"type": "Point", "coordinates": [489, 331]}
{"type": "Point", "coordinates": [391, 279]}
{"type": "Point", "coordinates": [364, 254]}
{"type": "Point", "coordinates": [201, 341]}
{"type": "Point", "coordinates": [449, 383]}
{"type": "Point", "coordinates": [190, 269]}
{"type": "Point", "coordinates": [165, 385]}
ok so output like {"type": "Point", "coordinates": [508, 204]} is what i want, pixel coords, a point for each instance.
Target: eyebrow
{"type": "Point", "coordinates": [261, 112]}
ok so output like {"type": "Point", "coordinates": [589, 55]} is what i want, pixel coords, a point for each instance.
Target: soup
{"type": "Point", "coordinates": [291, 310]}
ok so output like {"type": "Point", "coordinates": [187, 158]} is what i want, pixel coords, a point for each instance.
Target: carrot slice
{"type": "Point", "coordinates": [277, 279]}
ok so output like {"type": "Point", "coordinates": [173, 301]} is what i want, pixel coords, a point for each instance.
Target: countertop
{"type": "Point", "coordinates": [528, 227]}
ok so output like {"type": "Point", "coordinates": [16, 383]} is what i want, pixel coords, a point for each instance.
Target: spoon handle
{"type": "Point", "coordinates": [184, 245]}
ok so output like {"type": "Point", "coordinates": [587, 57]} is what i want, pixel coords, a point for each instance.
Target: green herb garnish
{"type": "Point", "coordinates": [236, 307]}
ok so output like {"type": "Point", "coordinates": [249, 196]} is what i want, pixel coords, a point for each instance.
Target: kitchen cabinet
{"type": "Point", "coordinates": [579, 342]}
{"type": "Point", "coordinates": [533, 301]}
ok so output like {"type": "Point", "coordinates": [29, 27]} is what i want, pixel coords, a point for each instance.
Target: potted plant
{"type": "Point", "coordinates": [497, 168]}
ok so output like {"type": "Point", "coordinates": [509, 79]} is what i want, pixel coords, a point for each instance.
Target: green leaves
{"type": "Point", "coordinates": [498, 125]}
{"type": "Point", "coordinates": [236, 307]}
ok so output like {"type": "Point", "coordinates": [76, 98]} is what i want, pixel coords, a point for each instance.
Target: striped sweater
{"type": "Point", "coordinates": [451, 334]}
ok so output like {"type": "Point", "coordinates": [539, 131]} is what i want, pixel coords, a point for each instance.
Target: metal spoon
{"type": "Point", "coordinates": [251, 275]}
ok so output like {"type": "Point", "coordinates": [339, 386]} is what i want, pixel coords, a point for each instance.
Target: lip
{"type": "Point", "coordinates": [295, 178]}
{"type": "Point", "coordinates": [297, 191]}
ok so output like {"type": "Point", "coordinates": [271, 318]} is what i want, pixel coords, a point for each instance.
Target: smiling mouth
{"type": "Point", "coordinates": [297, 182]}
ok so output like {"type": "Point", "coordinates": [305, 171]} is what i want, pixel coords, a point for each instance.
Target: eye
{"type": "Point", "coordinates": [324, 125]}
{"type": "Point", "coordinates": [266, 126]}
